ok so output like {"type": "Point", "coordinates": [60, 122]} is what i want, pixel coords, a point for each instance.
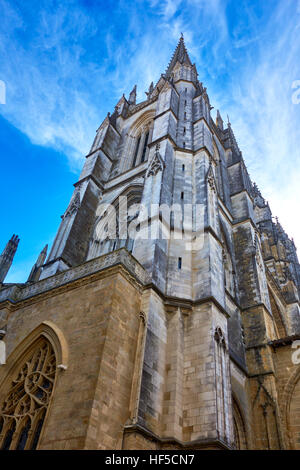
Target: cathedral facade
{"type": "Point", "coordinates": [166, 315]}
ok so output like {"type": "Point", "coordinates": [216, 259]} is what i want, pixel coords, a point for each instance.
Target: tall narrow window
{"type": "Point", "coordinates": [179, 263]}
{"type": "Point", "coordinates": [136, 151]}
{"type": "Point", "coordinates": [24, 436]}
{"type": "Point", "coordinates": [184, 131]}
{"type": "Point", "coordinates": [183, 144]}
{"type": "Point", "coordinates": [145, 147]}
{"type": "Point", "coordinates": [28, 397]}
{"type": "Point", "coordinates": [37, 432]}
{"type": "Point", "coordinates": [9, 436]}
{"type": "Point", "coordinates": [182, 195]}
{"type": "Point", "coordinates": [183, 168]}
{"type": "Point", "coordinates": [184, 116]}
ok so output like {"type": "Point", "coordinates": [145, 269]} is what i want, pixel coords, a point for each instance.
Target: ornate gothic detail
{"type": "Point", "coordinates": [7, 256]}
{"type": "Point", "coordinates": [156, 164]}
{"type": "Point", "coordinates": [24, 408]}
{"type": "Point", "coordinates": [224, 255]}
{"type": "Point", "coordinates": [143, 317]}
{"type": "Point", "coordinates": [288, 275]}
{"type": "Point", "coordinates": [219, 337]}
{"type": "Point", "coordinates": [258, 256]}
{"type": "Point", "coordinates": [211, 179]}
{"type": "Point", "coordinates": [74, 204]}
{"type": "Point", "coordinates": [211, 182]}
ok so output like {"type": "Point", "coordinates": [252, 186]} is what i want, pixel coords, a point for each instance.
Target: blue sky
{"type": "Point", "coordinates": [65, 64]}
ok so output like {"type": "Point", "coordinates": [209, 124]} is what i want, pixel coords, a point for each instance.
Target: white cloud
{"type": "Point", "coordinates": [58, 97]}
{"type": "Point", "coordinates": [46, 86]}
{"type": "Point", "coordinates": [267, 122]}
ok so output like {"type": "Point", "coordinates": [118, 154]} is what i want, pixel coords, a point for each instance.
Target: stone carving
{"type": "Point", "coordinates": [156, 164]}
{"type": "Point", "coordinates": [27, 399]}
{"type": "Point", "coordinates": [219, 337]}
{"type": "Point", "coordinates": [74, 204]}
{"type": "Point", "coordinates": [211, 179]}
{"type": "Point", "coordinates": [7, 256]}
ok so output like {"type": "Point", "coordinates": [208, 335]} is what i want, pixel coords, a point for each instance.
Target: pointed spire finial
{"type": "Point", "coordinates": [132, 96]}
{"type": "Point", "coordinates": [7, 256]}
{"type": "Point", "coordinates": [219, 121]}
{"type": "Point", "coordinates": [150, 90]}
{"type": "Point", "coordinates": [37, 267]}
{"type": "Point", "coordinates": [180, 55]}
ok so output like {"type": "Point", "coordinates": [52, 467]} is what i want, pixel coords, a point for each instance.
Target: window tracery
{"type": "Point", "coordinates": [23, 409]}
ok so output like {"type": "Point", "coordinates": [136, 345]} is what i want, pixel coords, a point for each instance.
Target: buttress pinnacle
{"type": "Point", "coordinates": [7, 256]}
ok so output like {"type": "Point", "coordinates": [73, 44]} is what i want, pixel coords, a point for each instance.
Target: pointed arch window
{"type": "Point", "coordinates": [136, 151]}
{"type": "Point", "coordinates": [37, 432]}
{"type": "Point", "coordinates": [24, 435]}
{"type": "Point", "coordinates": [27, 398]}
{"type": "Point", "coordinates": [239, 430]}
{"type": "Point", "coordinates": [145, 147]}
{"type": "Point", "coordinates": [9, 436]}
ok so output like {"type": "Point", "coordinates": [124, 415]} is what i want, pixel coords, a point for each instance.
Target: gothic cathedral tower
{"type": "Point", "coordinates": [173, 334]}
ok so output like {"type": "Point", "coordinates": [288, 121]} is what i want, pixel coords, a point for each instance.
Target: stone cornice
{"type": "Point", "coordinates": [186, 81]}
{"type": "Point", "coordinates": [169, 110]}
{"type": "Point", "coordinates": [92, 178]}
{"type": "Point", "coordinates": [255, 306]}
{"type": "Point", "coordinates": [243, 221]}
{"type": "Point", "coordinates": [225, 211]}
{"type": "Point", "coordinates": [244, 190]}
{"type": "Point", "coordinates": [195, 444]}
{"type": "Point", "coordinates": [140, 106]}
{"type": "Point", "coordinates": [186, 304]}
{"type": "Point", "coordinates": [16, 294]}
{"type": "Point", "coordinates": [120, 261]}
{"type": "Point", "coordinates": [128, 175]}
{"type": "Point", "coordinates": [160, 139]}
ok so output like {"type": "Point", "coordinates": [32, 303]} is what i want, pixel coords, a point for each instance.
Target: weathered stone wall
{"type": "Point", "coordinates": [164, 375]}
{"type": "Point", "coordinates": [90, 403]}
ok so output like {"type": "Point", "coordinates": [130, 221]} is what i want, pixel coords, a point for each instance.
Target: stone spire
{"type": "Point", "coordinates": [7, 256]}
{"type": "Point", "coordinates": [219, 121]}
{"type": "Point", "coordinates": [132, 96]}
{"type": "Point", "coordinates": [232, 140]}
{"type": "Point", "coordinates": [37, 267]}
{"type": "Point", "coordinates": [150, 91]}
{"type": "Point", "coordinates": [180, 55]}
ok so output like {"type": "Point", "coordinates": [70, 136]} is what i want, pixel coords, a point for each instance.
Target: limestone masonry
{"type": "Point", "coordinates": [156, 343]}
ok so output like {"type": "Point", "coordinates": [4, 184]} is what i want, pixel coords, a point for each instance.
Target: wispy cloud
{"type": "Point", "coordinates": [48, 96]}
{"type": "Point", "coordinates": [265, 119]}
{"type": "Point", "coordinates": [67, 65]}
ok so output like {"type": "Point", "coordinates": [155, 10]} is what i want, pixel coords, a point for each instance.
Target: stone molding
{"type": "Point", "coordinates": [17, 293]}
